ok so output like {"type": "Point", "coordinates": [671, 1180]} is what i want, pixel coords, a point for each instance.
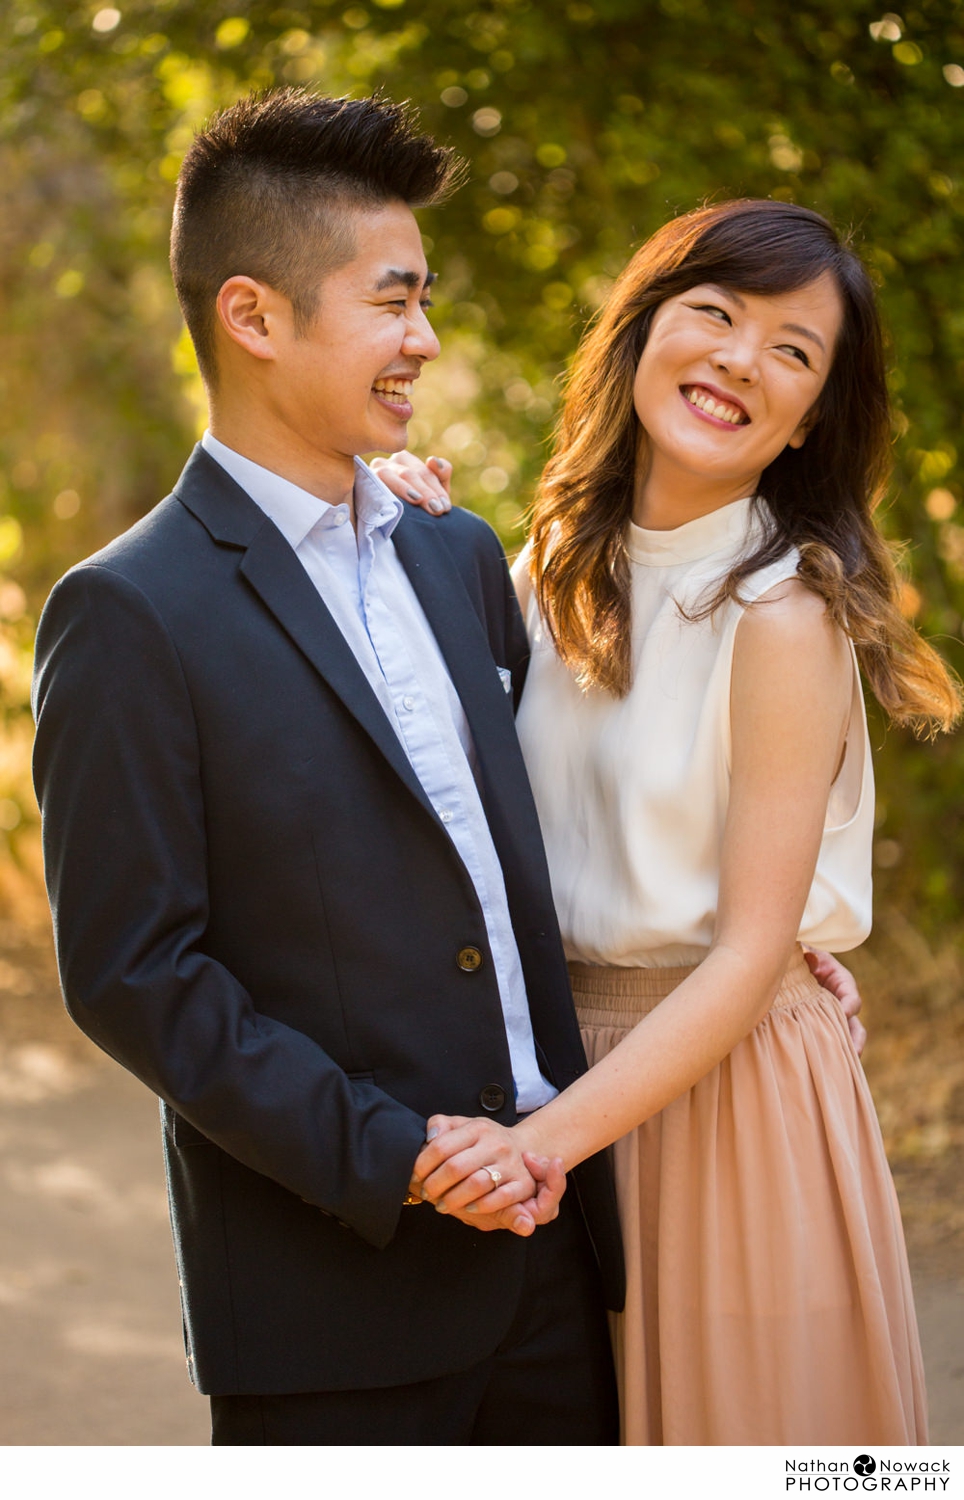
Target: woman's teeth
{"type": "Point", "coordinates": [395, 387]}
{"type": "Point", "coordinates": [718, 409]}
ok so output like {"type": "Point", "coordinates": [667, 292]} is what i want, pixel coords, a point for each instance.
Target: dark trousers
{"type": "Point", "coordinates": [550, 1381]}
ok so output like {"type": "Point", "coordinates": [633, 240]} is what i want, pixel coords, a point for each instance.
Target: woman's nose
{"type": "Point", "coordinates": [738, 357]}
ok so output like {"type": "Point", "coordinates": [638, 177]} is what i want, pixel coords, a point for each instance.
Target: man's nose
{"type": "Point", "coordinates": [421, 340]}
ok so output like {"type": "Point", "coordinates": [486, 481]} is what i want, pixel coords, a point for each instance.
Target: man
{"type": "Point", "coordinates": [295, 869]}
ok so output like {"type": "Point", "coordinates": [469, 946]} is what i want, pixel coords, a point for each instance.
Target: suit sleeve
{"type": "Point", "coordinates": [118, 775]}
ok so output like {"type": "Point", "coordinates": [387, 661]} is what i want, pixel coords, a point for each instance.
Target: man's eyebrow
{"type": "Point", "coordinates": [410, 279]}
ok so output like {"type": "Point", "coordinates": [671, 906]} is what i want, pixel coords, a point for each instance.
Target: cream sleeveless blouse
{"type": "Point", "coordinates": [632, 793]}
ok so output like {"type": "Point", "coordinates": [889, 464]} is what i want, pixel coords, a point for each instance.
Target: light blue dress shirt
{"type": "Point", "coordinates": [368, 593]}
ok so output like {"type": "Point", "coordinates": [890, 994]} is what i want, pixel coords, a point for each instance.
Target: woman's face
{"type": "Point", "coordinates": [728, 379]}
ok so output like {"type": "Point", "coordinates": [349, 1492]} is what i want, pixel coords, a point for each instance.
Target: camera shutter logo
{"type": "Point", "coordinates": [864, 1464]}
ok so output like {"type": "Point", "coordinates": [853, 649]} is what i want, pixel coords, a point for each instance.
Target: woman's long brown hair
{"type": "Point", "coordinates": [820, 498]}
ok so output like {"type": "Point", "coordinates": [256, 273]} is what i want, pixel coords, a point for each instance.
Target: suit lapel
{"type": "Point", "coordinates": [271, 568]}
{"type": "Point", "coordinates": [456, 626]}
{"type": "Point", "coordinates": [274, 573]}
{"type": "Point", "coordinates": [422, 550]}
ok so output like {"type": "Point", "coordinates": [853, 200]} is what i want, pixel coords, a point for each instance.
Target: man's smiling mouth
{"type": "Point", "coordinates": [723, 411]}
{"type": "Point", "coordinates": [394, 389]}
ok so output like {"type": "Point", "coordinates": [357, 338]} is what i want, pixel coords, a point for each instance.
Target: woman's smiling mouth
{"type": "Point", "coordinates": [725, 412]}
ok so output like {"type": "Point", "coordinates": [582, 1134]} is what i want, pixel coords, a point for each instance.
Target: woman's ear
{"type": "Point", "coordinates": [810, 421]}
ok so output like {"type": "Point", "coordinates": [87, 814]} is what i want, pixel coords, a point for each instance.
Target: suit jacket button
{"type": "Point", "coordinates": [492, 1097]}
{"type": "Point", "coordinates": [469, 959]}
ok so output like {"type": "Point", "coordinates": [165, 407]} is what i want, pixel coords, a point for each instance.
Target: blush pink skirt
{"type": "Point", "coordinates": [769, 1295]}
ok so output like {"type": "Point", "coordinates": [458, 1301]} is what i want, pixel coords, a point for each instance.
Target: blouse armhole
{"type": "Point", "coordinates": [846, 793]}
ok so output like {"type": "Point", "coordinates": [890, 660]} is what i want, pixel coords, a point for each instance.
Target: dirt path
{"type": "Point", "coordinates": [90, 1350]}
{"type": "Point", "coordinates": [90, 1343]}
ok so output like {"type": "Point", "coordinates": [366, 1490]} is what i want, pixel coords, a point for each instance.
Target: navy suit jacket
{"type": "Point", "coordinates": [258, 912]}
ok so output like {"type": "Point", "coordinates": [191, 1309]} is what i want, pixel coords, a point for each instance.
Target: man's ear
{"type": "Point", "coordinates": [807, 425]}
{"type": "Point", "coordinates": [252, 314]}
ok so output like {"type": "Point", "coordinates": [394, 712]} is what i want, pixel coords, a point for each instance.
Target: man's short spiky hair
{"type": "Point", "coordinates": [266, 191]}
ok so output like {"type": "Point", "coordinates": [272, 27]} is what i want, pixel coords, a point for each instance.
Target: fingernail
{"type": "Point", "coordinates": [440, 1207]}
{"type": "Point", "coordinates": [413, 494]}
{"type": "Point", "coordinates": [436, 507]}
{"type": "Point", "coordinates": [433, 1132]}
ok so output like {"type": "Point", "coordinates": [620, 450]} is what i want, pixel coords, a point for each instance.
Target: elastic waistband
{"type": "Point", "coordinates": [623, 992]}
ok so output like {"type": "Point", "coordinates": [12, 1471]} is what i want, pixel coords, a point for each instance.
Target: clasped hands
{"type": "Point", "coordinates": [452, 1174]}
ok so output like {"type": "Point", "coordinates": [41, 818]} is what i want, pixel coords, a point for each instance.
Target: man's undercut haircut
{"type": "Point", "coordinates": [268, 189]}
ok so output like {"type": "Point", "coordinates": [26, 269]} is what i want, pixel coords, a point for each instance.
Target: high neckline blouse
{"type": "Point", "coordinates": [719, 531]}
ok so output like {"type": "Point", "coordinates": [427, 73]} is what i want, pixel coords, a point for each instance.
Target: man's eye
{"type": "Point", "coordinates": [426, 304]}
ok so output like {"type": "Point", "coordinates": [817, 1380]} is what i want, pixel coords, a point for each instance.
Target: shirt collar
{"type": "Point", "coordinates": [377, 508]}
{"type": "Point", "coordinates": [295, 511]}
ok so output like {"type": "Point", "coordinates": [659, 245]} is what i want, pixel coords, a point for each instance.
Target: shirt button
{"type": "Point", "coordinates": [340, 518]}
{"type": "Point", "coordinates": [408, 702]}
{"type": "Point", "coordinates": [445, 815]}
{"type": "Point", "coordinates": [469, 959]}
{"type": "Point", "coordinates": [492, 1097]}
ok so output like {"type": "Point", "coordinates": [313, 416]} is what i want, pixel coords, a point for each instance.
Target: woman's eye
{"type": "Point", "coordinates": [715, 312]}
{"type": "Point", "coordinates": [796, 353]}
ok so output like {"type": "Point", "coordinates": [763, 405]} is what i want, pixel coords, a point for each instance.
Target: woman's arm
{"type": "Point", "coordinates": [790, 701]}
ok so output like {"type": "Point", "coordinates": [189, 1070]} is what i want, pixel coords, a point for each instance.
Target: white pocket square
{"type": "Point", "coordinates": [506, 676]}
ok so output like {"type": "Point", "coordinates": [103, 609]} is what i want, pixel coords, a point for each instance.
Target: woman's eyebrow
{"type": "Point", "coordinates": [726, 291]}
{"type": "Point", "coordinates": [805, 333]}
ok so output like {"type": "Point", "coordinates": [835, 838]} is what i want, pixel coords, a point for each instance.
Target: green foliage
{"type": "Point", "coordinates": [586, 125]}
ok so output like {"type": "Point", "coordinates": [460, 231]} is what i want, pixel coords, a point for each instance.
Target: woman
{"type": "Point", "coordinates": [702, 577]}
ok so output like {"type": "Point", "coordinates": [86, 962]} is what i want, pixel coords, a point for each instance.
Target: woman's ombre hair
{"type": "Point", "coordinates": [820, 498]}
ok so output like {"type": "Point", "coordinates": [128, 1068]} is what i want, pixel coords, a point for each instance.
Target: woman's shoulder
{"type": "Point", "coordinates": [788, 627]}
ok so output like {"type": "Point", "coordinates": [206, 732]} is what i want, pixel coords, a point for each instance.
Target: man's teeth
{"type": "Point", "coordinates": [395, 387]}
{"type": "Point", "coordinates": [719, 409]}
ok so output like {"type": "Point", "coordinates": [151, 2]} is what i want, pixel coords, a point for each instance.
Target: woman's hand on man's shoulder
{"type": "Point", "coordinates": [420, 482]}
